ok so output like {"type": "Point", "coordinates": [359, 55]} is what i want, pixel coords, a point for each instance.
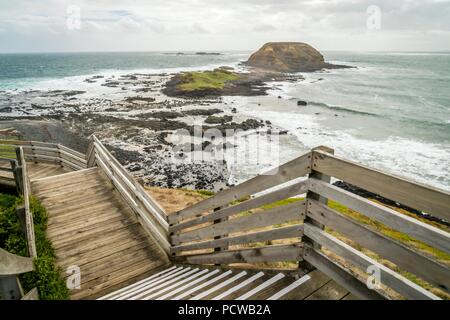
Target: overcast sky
{"type": "Point", "coordinates": [150, 25]}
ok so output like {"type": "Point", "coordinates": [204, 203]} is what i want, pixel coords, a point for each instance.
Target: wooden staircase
{"type": "Point", "coordinates": [92, 228]}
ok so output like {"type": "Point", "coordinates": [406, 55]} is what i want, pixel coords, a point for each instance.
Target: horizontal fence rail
{"type": "Point", "coordinates": [151, 215]}
{"type": "Point", "coordinates": [197, 230]}
{"type": "Point", "coordinates": [235, 226]}
{"type": "Point", "coordinates": [50, 152]}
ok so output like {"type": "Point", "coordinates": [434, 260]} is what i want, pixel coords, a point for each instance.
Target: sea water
{"type": "Point", "coordinates": [391, 112]}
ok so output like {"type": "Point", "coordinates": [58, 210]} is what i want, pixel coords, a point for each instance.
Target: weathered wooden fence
{"type": "Point", "coordinates": [150, 214]}
{"type": "Point", "coordinates": [49, 152]}
{"type": "Point", "coordinates": [198, 229]}
{"type": "Point", "coordinates": [235, 226]}
{"type": "Point", "coordinates": [12, 265]}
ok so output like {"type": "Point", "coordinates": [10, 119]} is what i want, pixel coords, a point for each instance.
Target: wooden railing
{"type": "Point", "coordinates": [197, 230]}
{"type": "Point", "coordinates": [150, 214]}
{"type": "Point", "coordinates": [12, 265]}
{"type": "Point", "coordinates": [50, 152]}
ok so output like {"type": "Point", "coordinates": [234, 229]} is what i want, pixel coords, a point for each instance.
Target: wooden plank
{"type": "Point", "coordinates": [72, 151]}
{"type": "Point", "coordinates": [239, 286]}
{"type": "Point", "coordinates": [144, 293]}
{"type": "Point", "coordinates": [31, 295]}
{"type": "Point", "coordinates": [330, 291]}
{"type": "Point", "coordinates": [289, 288]}
{"type": "Point", "coordinates": [278, 233]}
{"type": "Point", "coordinates": [288, 171]}
{"type": "Point", "coordinates": [404, 257]}
{"type": "Point", "coordinates": [113, 279]}
{"type": "Point", "coordinates": [419, 196]}
{"type": "Point", "coordinates": [148, 284]}
{"type": "Point", "coordinates": [31, 241]}
{"type": "Point", "coordinates": [339, 274]}
{"type": "Point", "coordinates": [202, 285]}
{"type": "Point", "coordinates": [159, 235]}
{"type": "Point", "coordinates": [388, 277]}
{"type": "Point", "coordinates": [304, 265]}
{"type": "Point", "coordinates": [276, 253]}
{"type": "Point", "coordinates": [12, 264]}
{"type": "Point", "coordinates": [417, 229]}
{"type": "Point", "coordinates": [148, 201]}
{"type": "Point", "coordinates": [281, 194]}
{"type": "Point", "coordinates": [221, 285]}
{"type": "Point", "coordinates": [154, 276]}
{"type": "Point", "coordinates": [166, 289]}
{"type": "Point", "coordinates": [269, 217]}
{"type": "Point", "coordinates": [134, 191]}
{"type": "Point", "coordinates": [64, 176]}
{"type": "Point", "coordinates": [261, 287]}
{"type": "Point", "coordinates": [188, 285]}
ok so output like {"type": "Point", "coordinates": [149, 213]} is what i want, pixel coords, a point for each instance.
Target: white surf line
{"type": "Point", "coordinates": [262, 286]}
{"type": "Point", "coordinates": [219, 286]}
{"type": "Point", "coordinates": [164, 290]}
{"type": "Point", "coordinates": [205, 284]}
{"type": "Point", "coordinates": [162, 285]}
{"type": "Point", "coordinates": [174, 292]}
{"type": "Point", "coordinates": [112, 294]}
{"type": "Point", "coordinates": [289, 288]}
{"type": "Point", "coordinates": [149, 285]}
{"type": "Point", "coordinates": [239, 286]}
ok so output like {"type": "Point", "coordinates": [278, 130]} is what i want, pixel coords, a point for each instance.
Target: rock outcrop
{"type": "Point", "coordinates": [289, 57]}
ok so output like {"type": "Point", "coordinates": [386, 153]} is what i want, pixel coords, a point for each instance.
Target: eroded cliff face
{"type": "Point", "coordinates": [288, 57]}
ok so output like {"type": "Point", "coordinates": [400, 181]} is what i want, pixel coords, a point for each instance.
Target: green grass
{"type": "Point", "coordinates": [7, 151]}
{"type": "Point", "coordinates": [201, 80]}
{"type": "Point", "coordinates": [46, 276]}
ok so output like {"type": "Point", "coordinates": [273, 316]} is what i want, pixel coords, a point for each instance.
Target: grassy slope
{"type": "Point", "coordinates": [46, 276]}
{"type": "Point", "coordinates": [201, 80]}
{"type": "Point", "coordinates": [443, 257]}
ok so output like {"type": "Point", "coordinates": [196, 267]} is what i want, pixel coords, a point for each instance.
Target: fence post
{"type": "Point", "coordinates": [311, 195]}
{"type": "Point", "coordinates": [17, 172]}
{"type": "Point", "coordinates": [222, 248]}
{"type": "Point", "coordinates": [90, 154]}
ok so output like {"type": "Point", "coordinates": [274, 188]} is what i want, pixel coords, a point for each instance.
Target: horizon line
{"type": "Point", "coordinates": [212, 51]}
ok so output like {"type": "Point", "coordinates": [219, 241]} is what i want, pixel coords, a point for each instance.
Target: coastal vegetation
{"type": "Point", "coordinates": [46, 276]}
{"type": "Point", "coordinates": [201, 80]}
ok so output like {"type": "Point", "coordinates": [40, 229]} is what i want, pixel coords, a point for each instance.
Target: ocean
{"type": "Point", "coordinates": [391, 112]}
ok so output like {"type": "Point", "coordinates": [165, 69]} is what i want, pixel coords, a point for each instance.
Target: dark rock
{"type": "Point", "coordinates": [217, 120]}
{"type": "Point", "coordinates": [202, 112]}
{"type": "Point", "coordinates": [289, 57]}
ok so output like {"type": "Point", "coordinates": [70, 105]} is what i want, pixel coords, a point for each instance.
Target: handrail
{"type": "Point", "coordinates": [419, 196]}
{"type": "Point", "coordinates": [31, 241]}
{"type": "Point", "coordinates": [150, 214]}
{"type": "Point", "coordinates": [50, 152]}
{"type": "Point", "coordinates": [209, 230]}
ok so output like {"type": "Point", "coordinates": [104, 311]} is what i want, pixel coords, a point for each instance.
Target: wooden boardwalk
{"type": "Point", "coordinates": [92, 228]}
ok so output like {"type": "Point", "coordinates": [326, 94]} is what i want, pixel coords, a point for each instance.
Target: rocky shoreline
{"type": "Point", "coordinates": [135, 119]}
{"type": "Point", "coordinates": [137, 114]}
